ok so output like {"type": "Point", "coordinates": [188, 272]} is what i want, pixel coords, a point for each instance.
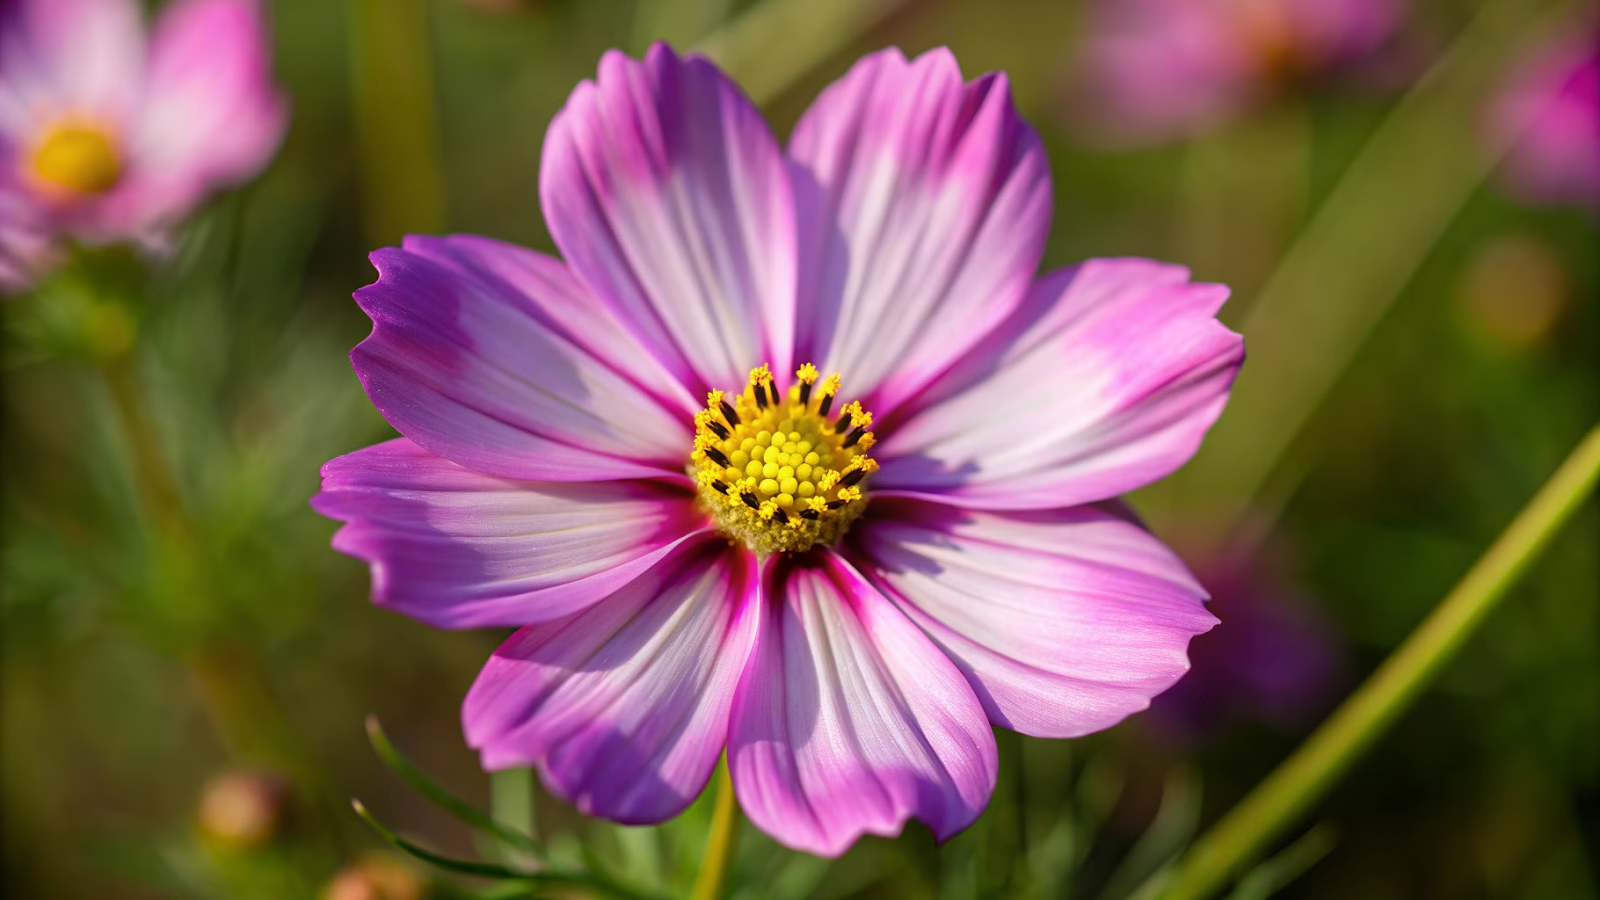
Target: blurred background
{"type": "Point", "coordinates": [184, 688]}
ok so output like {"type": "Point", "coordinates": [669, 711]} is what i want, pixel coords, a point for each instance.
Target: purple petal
{"type": "Point", "coordinates": [849, 721]}
{"type": "Point", "coordinates": [458, 549]}
{"type": "Point", "coordinates": [923, 206]}
{"type": "Point", "coordinates": [1105, 381]}
{"type": "Point", "coordinates": [1064, 621]}
{"type": "Point", "coordinates": [212, 115]}
{"type": "Point", "coordinates": [624, 707]}
{"type": "Point", "coordinates": [479, 370]}
{"type": "Point", "coordinates": [666, 193]}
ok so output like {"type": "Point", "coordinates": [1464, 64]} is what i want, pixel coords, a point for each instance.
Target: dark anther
{"type": "Point", "coordinates": [855, 435]}
{"type": "Point", "coordinates": [805, 393]}
{"type": "Point", "coordinates": [750, 501]}
{"type": "Point", "coordinates": [852, 477]}
{"type": "Point", "coordinates": [761, 396]}
{"type": "Point", "coordinates": [719, 487]}
{"type": "Point", "coordinates": [718, 429]}
{"type": "Point", "coordinates": [810, 514]}
{"type": "Point", "coordinates": [822, 408]}
{"type": "Point", "coordinates": [729, 414]}
{"type": "Point", "coordinates": [835, 504]}
{"type": "Point", "coordinates": [843, 418]}
{"type": "Point", "coordinates": [780, 515]}
{"type": "Point", "coordinates": [717, 457]}
{"type": "Point", "coordinates": [772, 388]}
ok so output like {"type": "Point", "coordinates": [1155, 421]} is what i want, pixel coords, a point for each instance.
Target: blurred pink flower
{"type": "Point", "coordinates": [697, 576]}
{"type": "Point", "coordinates": [108, 136]}
{"type": "Point", "coordinates": [1548, 116]}
{"type": "Point", "coordinates": [1163, 69]}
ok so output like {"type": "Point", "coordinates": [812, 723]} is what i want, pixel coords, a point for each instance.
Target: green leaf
{"type": "Point", "coordinates": [1276, 873]}
{"type": "Point", "coordinates": [450, 803]}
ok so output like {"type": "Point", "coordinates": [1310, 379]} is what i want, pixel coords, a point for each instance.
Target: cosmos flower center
{"type": "Point", "coordinates": [81, 159]}
{"type": "Point", "coordinates": [781, 471]}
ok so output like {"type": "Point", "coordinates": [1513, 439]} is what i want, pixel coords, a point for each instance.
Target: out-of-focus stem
{"type": "Point", "coordinates": [772, 45]}
{"type": "Point", "coordinates": [396, 124]}
{"type": "Point", "coordinates": [1365, 242]}
{"type": "Point", "coordinates": [511, 804]}
{"type": "Point", "coordinates": [678, 22]}
{"type": "Point", "coordinates": [1300, 781]}
{"type": "Point", "coordinates": [712, 882]}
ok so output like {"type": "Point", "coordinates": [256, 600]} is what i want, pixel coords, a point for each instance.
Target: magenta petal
{"type": "Point", "coordinates": [1064, 621]}
{"type": "Point", "coordinates": [458, 549]}
{"type": "Point", "coordinates": [624, 707]}
{"type": "Point", "coordinates": [666, 193]}
{"type": "Point", "coordinates": [477, 369]}
{"type": "Point", "coordinates": [923, 205]}
{"type": "Point", "coordinates": [849, 721]}
{"type": "Point", "coordinates": [212, 114]}
{"type": "Point", "coordinates": [1105, 381]}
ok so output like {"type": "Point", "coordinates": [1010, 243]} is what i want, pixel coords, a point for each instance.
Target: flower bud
{"type": "Point", "coordinates": [243, 809]}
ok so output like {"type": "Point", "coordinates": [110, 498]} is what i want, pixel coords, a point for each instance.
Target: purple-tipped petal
{"type": "Point", "coordinates": [458, 549]}
{"type": "Point", "coordinates": [477, 369]}
{"type": "Point", "coordinates": [1105, 380]}
{"type": "Point", "coordinates": [849, 721]}
{"type": "Point", "coordinates": [1064, 621]}
{"type": "Point", "coordinates": [666, 193]}
{"type": "Point", "coordinates": [624, 707]}
{"type": "Point", "coordinates": [923, 205]}
{"type": "Point", "coordinates": [212, 114]}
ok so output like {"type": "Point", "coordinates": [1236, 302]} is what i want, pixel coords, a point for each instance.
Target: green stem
{"type": "Point", "coordinates": [511, 805]}
{"type": "Point", "coordinates": [396, 127]}
{"type": "Point", "coordinates": [718, 858]}
{"type": "Point", "coordinates": [1301, 780]}
{"type": "Point", "coordinates": [774, 43]}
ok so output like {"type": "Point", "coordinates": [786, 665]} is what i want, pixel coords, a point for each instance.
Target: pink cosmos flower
{"type": "Point", "coordinates": [1548, 114]}
{"type": "Point", "coordinates": [1163, 69]}
{"type": "Point", "coordinates": [106, 136]}
{"type": "Point", "coordinates": [705, 551]}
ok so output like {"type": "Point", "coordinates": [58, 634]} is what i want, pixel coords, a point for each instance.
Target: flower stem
{"type": "Point", "coordinates": [511, 804]}
{"type": "Point", "coordinates": [1301, 780]}
{"type": "Point", "coordinates": [718, 858]}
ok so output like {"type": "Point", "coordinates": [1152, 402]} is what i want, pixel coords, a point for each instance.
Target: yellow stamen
{"type": "Point", "coordinates": [80, 159]}
{"type": "Point", "coordinates": [773, 472]}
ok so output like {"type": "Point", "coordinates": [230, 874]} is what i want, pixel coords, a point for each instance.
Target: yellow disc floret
{"type": "Point", "coordinates": [79, 159]}
{"type": "Point", "coordinates": [774, 469]}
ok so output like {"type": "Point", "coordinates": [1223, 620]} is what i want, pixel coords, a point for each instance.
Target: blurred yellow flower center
{"type": "Point", "coordinates": [781, 471]}
{"type": "Point", "coordinates": [80, 159]}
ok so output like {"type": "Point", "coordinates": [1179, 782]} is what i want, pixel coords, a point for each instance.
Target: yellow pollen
{"type": "Point", "coordinates": [81, 159]}
{"type": "Point", "coordinates": [782, 471]}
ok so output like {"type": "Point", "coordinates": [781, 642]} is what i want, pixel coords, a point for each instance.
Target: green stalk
{"type": "Point", "coordinates": [1301, 780]}
{"type": "Point", "coordinates": [775, 43]}
{"type": "Point", "coordinates": [712, 882]}
{"type": "Point", "coordinates": [511, 805]}
{"type": "Point", "coordinates": [397, 132]}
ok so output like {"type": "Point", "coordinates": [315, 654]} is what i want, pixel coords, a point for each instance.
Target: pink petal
{"type": "Point", "coordinates": [457, 549]}
{"type": "Point", "coordinates": [624, 707]}
{"type": "Point", "coordinates": [580, 318]}
{"type": "Point", "coordinates": [923, 207]}
{"type": "Point", "coordinates": [666, 193]}
{"type": "Point", "coordinates": [212, 114]}
{"type": "Point", "coordinates": [849, 721]}
{"type": "Point", "coordinates": [479, 370]}
{"type": "Point", "coordinates": [1105, 381]}
{"type": "Point", "coordinates": [1064, 621]}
